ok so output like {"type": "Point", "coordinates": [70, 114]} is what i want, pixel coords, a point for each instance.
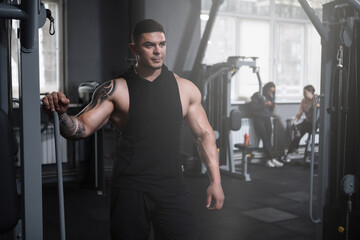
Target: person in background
{"type": "Point", "coordinates": [262, 107]}
{"type": "Point", "coordinates": [306, 106]}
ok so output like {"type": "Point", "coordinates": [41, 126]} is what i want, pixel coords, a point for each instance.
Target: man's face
{"type": "Point", "coordinates": [150, 50]}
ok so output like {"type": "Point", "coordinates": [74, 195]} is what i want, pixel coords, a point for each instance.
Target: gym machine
{"type": "Point", "coordinates": [338, 204]}
{"type": "Point", "coordinates": [32, 15]}
{"type": "Point", "coordinates": [216, 90]}
{"type": "Point", "coordinates": [208, 78]}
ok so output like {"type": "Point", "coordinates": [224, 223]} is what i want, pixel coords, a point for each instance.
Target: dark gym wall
{"type": "Point", "coordinates": [83, 44]}
{"type": "Point", "coordinates": [115, 37]}
{"type": "Point", "coordinates": [97, 34]}
{"type": "Point", "coordinates": [3, 66]}
{"type": "Point", "coordinates": [181, 21]}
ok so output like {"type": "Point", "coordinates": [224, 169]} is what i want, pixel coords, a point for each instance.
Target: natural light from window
{"type": "Point", "coordinates": [279, 33]}
{"type": "Point", "coordinates": [50, 53]}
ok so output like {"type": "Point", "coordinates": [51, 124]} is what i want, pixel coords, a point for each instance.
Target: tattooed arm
{"type": "Point", "coordinates": [90, 119]}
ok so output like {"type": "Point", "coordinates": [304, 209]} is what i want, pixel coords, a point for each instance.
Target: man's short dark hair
{"type": "Point", "coordinates": [146, 26]}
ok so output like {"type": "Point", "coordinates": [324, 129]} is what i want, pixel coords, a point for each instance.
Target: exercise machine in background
{"type": "Point", "coordinates": [216, 90]}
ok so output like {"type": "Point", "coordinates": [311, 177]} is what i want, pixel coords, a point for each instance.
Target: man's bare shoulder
{"type": "Point", "coordinates": [112, 90]}
{"type": "Point", "coordinates": [111, 86]}
{"type": "Point", "coordinates": [119, 84]}
{"type": "Point", "coordinates": [188, 90]}
{"type": "Point", "coordinates": [186, 84]}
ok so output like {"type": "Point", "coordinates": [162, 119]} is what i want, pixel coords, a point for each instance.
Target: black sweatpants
{"type": "Point", "coordinates": [133, 212]}
{"type": "Point", "coordinates": [263, 130]}
{"type": "Point", "coordinates": [303, 127]}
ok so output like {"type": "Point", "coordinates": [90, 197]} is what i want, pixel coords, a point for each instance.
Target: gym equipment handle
{"type": "Point", "coordinates": [59, 175]}
{"type": "Point", "coordinates": [318, 220]}
{"type": "Point", "coordinates": [58, 170]}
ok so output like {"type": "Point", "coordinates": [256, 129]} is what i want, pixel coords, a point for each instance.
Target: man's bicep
{"type": "Point", "coordinates": [98, 111]}
{"type": "Point", "coordinates": [95, 118]}
{"type": "Point", "coordinates": [196, 117]}
{"type": "Point", "coordinates": [197, 121]}
{"type": "Point", "coordinates": [101, 94]}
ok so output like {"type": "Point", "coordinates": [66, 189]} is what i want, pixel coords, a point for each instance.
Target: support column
{"type": "Point", "coordinates": [32, 14]}
{"type": "Point", "coordinates": [31, 144]}
{"type": "Point", "coordinates": [30, 123]}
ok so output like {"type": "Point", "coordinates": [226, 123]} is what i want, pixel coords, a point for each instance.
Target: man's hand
{"type": "Point", "coordinates": [215, 197]}
{"type": "Point", "coordinates": [55, 101]}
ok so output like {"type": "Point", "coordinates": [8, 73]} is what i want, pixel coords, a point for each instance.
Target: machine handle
{"type": "Point", "coordinates": [58, 169]}
{"type": "Point", "coordinates": [318, 220]}
{"type": "Point", "coordinates": [59, 175]}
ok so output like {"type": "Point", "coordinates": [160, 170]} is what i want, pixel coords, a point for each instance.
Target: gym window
{"type": "Point", "coordinates": [277, 32]}
{"type": "Point", "coordinates": [50, 52]}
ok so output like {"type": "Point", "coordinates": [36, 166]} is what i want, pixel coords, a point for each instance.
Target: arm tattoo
{"type": "Point", "coordinates": [104, 91]}
{"type": "Point", "coordinates": [71, 127]}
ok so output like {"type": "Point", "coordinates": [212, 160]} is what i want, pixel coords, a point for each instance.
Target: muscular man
{"type": "Point", "coordinates": [147, 105]}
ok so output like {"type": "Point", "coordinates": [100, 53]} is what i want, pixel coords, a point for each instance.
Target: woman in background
{"type": "Point", "coordinates": [306, 106]}
{"type": "Point", "coordinates": [262, 110]}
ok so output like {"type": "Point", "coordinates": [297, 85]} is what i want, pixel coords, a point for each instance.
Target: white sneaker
{"type": "Point", "coordinates": [285, 159]}
{"type": "Point", "coordinates": [269, 163]}
{"type": "Point", "coordinates": [276, 163]}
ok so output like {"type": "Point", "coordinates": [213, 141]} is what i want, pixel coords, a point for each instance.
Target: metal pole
{"type": "Point", "coordinates": [325, 133]}
{"type": "Point", "coordinates": [96, 160]}
{"type": "Point", "coordinates": [318, 220]}
{"type": "Point", "coordinates": [31, 144]}
{"type": "Point", "coordinates": [59, 175]}
{"type": "Point", "coordinates": [204, 40]}
{"type": "Point", "coordinates": [12, 12]}
{"type": "Point", "coordinates": [29, 13]}
{"type": "Point", "coordinates": [322, 29]}
{"type": "Point", "coordinates": [355, 4]}
{"type": "Point", "coordinates": [30, 124]}
{"type": "Point", "coordinates": [259, 81]}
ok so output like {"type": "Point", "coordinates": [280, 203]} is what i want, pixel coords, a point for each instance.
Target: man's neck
{"type": "Point", "coordinates": [147, 73]}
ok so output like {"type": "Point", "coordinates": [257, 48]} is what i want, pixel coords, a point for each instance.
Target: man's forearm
{"type": "Point", "coordinates": [71, 127]}
{"type": "Point", "coordinates": [208, 153]}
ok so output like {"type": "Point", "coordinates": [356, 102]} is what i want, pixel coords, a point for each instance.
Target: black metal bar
{"type": "Point", "coordinates": [259, 81]}
{"type": "Point", "coordinates": [12, 12]}
{"type": "Point", "coordinates": [30, 144]}
{"type": "Point", "coordinates": [204, 40]}
{"type": "Point", "coordinates": [59, 173]}
{"type": "Point", "coordinates": [355, 4]}
{"type": "Point", "coordinates": [29, 26]}
{"type": "Point", "coordinates": [30, 124]}
{"type": "Point", "coordinates": [322, 29]}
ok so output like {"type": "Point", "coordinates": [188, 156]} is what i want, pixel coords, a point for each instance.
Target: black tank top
{"type": "Point", "coordinates": [149, 148]}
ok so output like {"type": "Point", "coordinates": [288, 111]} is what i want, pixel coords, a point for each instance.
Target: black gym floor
{"type": "Point", "coordinates": [274, 205]}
